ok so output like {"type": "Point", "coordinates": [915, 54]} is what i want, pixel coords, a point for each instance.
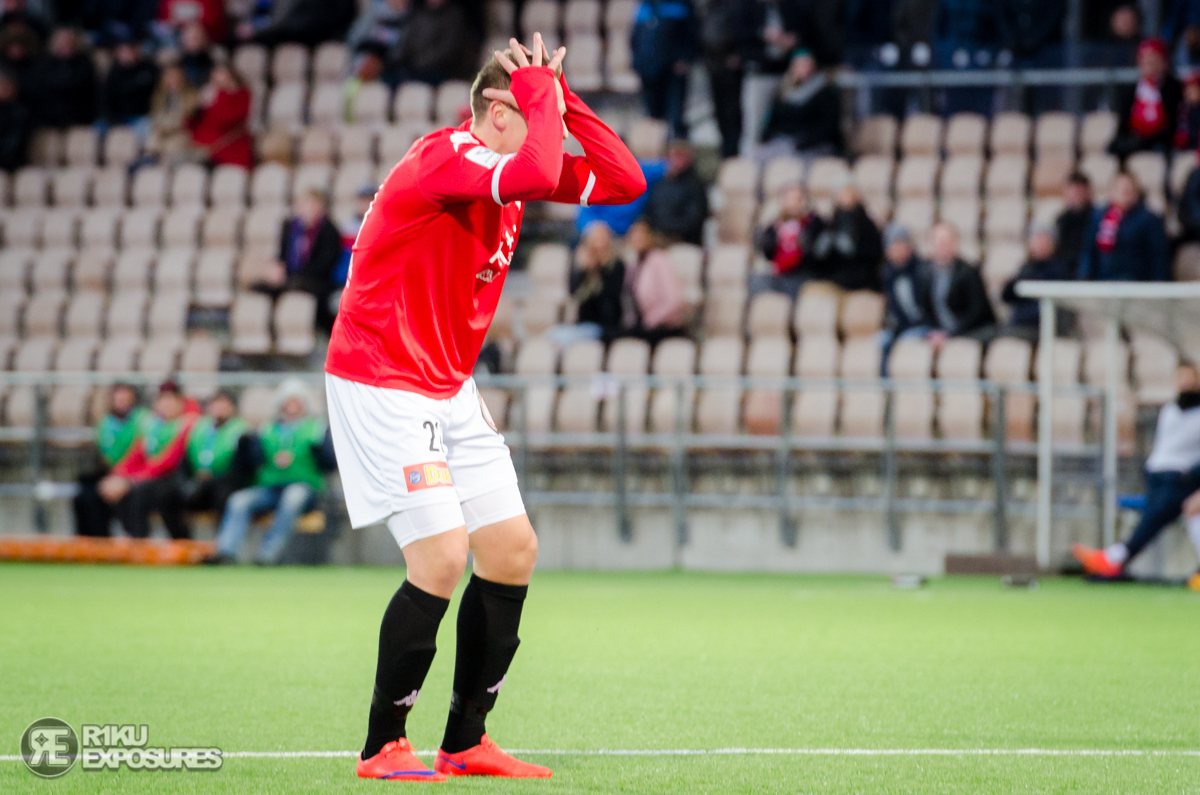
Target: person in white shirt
{"type": "Point", "coordinates": [1172, 473]}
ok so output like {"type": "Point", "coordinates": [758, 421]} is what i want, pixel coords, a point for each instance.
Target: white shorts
{"type": "Point", "coordinates": [421, 465]}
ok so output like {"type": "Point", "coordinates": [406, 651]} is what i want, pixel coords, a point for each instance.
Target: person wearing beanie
{"type": "Point", "coordinates": [1147, 111]}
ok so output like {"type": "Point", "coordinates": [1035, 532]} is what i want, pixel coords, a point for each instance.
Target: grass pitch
{"type": "Point", "coordinates": [283, 660]}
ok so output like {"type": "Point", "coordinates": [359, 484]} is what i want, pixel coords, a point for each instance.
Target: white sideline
{"type": "Point", "coordinates": [1102, 752]}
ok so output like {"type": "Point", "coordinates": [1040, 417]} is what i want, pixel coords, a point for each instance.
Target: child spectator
{"type": "Point", "coordinates": [786, 243]}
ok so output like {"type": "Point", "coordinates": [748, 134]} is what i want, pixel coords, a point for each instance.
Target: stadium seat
{"type": "Point", "coordinates": [413, 103]}
{"type": "Point", "coordinates": [960, 359]}
{"type": "Point", "coordinates": [1055, 132]}
{"type": "Point", "coordinates": [251, 62]}
{"type": "Point", "coordinates": [72, 187]}
{"type": "Point", "coordinates": [331, 62]}
{"type": "Point", "coordinates": [255, 404]}
{"type": "Point", "coordinates": [453, 103]}
{"type": "Point", "coordinates": [35, 355]}
{"type": "Point", "coordinates": [862, 408]}
{"type": "Point", "coordinates": [250, 323]}
{"type": "Point", "coordinates": [167, 318]}
{"type": "Point", "coordinates": [876, 136]}
{"type": "Point", "coordinates": [960, 413]}
{"type": "Point", "coordinates": [718, 407]}
{"type": "Point", "coordinates": [965, 134]}
{"type": "Point", "coordinates": [910, 359]}
{"type": "Point", "coordinates": [60, 227]}
{"type": "Point", "coordinates": [222, 227]}
{"type": "Point", "coordinates": [140, 228]}
{"type": "Point", "coordinates": [860, 358]}
{"type": "Point", "coordinates": [780, 172]}
{"type": "Point", "coordinates": [12, 303]}
{"type": "Point", "coordinates": [181, 227]}
{"type": "Point", "coordinates": [214, 277]}
{"type": "Point", "coordinates": [618, 16]}
{"type": "Point", "coordinates": [46, 148]}
{"type": "Point", "coordinates": [51, 269]}
{"type": "Point", "coordinates": [15, 264]}
{"type": "Point", "coordinates": [119, 354]}
{"type": "Point", "coordinates": [285, 107]}
{"type": "Point", "coordinates": [318, 146]}
{"type": "Point", "coordinates": [396, 140]}
{"type": "Point", "coordinates": [767, 357]}
{"type": "Point", "coordinates": [93, 267]}
{"type": "Point", "coordinates": [1187, 263]}
{"type": "Point", "coordinates": [126, 314]}
{"type": "Point", "coordinates": [85, 314]}
{"type": "Point", "coordinates": [1150, 169]}
{"type": "Point", "coordinates": [962, 177]}
{"type": "Point", "coordinates": [160, 356]}
{"type": "Point", "coordinates": [581, 16]}
{"type": "Point", "coordinates": [917, 215]}
{"type": "Point", "coordinates": [1068, 358]}
{"type": "Point", "coordinates": [1007, 362]}
{"type": "Point", "coordinates": [295, 313]}
{"type": "Point", "coordinates": [1001, 263]}
{"type": "Point", "coordinates": [921, 134]}
{"type": "Point", "coordinates": [816, 311]}
{"type": "Point", "coordinates": [585, 68]}
{"type": "Point", "coordinates": [133, 270]}
{"type": "Point", "coordinates": [173, 271]}
{"type": "Point", "coordinates": [916, 177]}
{"type": "Point", "coordinates": [229, 186]}
{"type": "Point", "coordinates": [69, 406]}
{"type": "Point", "coordinates": [648, 138]}
{"type": "Point", "coordinates": [357, 143]}
{"type": "Point", "coordinates": [674, 357]}
{"type": "Point", "coordinates": [539, 315]}
{"type": "Point", "coordinates": [769, 315]}
{"type": "Point", "coordinates": [149, 187]}
{"type": "Point", "coordinates": [82, 146]}
{"type": "Point", "coordinates": [862, 313]}
{"type": "Point", "coordinates": [43, 313]}
{"type": "Point", "coordinates": [578, 404]}
{"type": "Point", "coordinates": [549, 267]}
{"type": "Point", "coordinates": [1098, 129]}
{"type": "Point", "coordinates": [200, 355]}
{"type": "Point", "coordinates": [189, 186]}
{"type": "Point", "coordinates": [1006, 221]}
{"type": "Point", "coordinates": [1007, 177]}
{"type": "Point", "coordinates": [627, 357]}
{"type": "Point", "coordinates": [1010, 134]}
{"type": "Point", "coordinates": [317, 176]}
{"type": "Point", "coordinates": [31, 187]}
{"type": "Point", "coordinates": [271, 184]}
{"type": "Point", "coordinates": [1100, 169]}
{"type": "Point", "coordinates": [350, 179]}
{"type": "Point", "coordinates": [728, 266]}
{"type": "Point", "coordinates": [289, 64]}
{"type": "Point", "coordinates": [1154, 364]}
{"type": "Point", "coordinates": [1047, 209]}
{"type": "Point", "coordinates": [327, 108]}
{"type": "Point", "coordinates": [1050, 174]}
{"type": "Point", "coordinates": [724, 310]}
{"type": "Point", "coordinates": [825, 176]}
{"type": "Point", "coordinates": [76, 354]}
{"type": "Point", "coordinates": [536, 357]}
{"type": "Point", "coordinates": [816, 357]}
{"type": "Point", "coordinates": [688, 260]}
{"type": "Point", "coordinates": [23, 228]}
{"type": "Point", "coordinates": [371, 104]}
{"type": "Point", "coordinates": [963, 212]}
{"type": "Point", "coordinates": [121, 147]}
{"type": "Point", "coordinates": [873, 174]}
{"type": "Point", "coordinates": [254, 267]}
{"type": "Point", "coordinates": [1095, 367]}
{"type": "Point", "coordinates": [262, 229]}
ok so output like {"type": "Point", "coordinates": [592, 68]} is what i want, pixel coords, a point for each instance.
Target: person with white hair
{"type": "Point", "coordinates": [292, 453]}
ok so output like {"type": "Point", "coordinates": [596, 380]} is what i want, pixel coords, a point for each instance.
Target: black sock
{"type": "Point", "coordinates": [407, 643]}
{"type": "Point", "coordinates": [488, 618]}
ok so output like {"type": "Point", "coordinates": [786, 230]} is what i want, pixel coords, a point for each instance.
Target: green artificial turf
{"type": "Point", "coordinates": [283, 660]}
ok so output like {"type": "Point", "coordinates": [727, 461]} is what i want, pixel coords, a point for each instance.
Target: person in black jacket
{"type": "Point", "coordinates": [111, 20]}
{"type": "Point", "coordinates": [302, 21]}
{"type": "Point", "coordinates": [849, 249]}
{"type": "Point", "coordinates": [1042, 265]}
{"type": "Point", "coordinates": [905, 286]}
{"type": "Point", "coordinates": [678, 203]}
{"type": "Point", "coordinates": [663, 46]}
{"type": "Point", "coordinates": [957, 296]}
{"type": "Point", "coordinates": [806, 114]}
{"type": "Point", "coordinates": [14, 126]}
{"type": "Point", "coordinates": [729, 37]}
{"type": "Point", "coordinates": [1147, 111]}
{"type": "Point", "coordinates": [310, 247]}
{"type": "Point", "coordinates": [596, 283]}
{"type": "Point", "coordinates": [64, 84]}
{"type": "Point", "coordinates": [787, 243]}
{"type": "Point", "coordinates": [128, 86]}
{"type": "Point", "coordinates": [1073, 221]}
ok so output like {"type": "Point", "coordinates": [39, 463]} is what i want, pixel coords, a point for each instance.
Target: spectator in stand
{"type": "Point", "coordinates": [220, 125]}
{"type": "Point", "coordinates": [653, 303]}
{"type": "Point", "coordinates": [128, 87]}
{"type": "Point", "coordinates": [1172, 474]}
{"type": "Point", "coordinates": [64, 84]}
{"type": "Point", "coordinates": [1125, 241]}
{"type": "Point", "coordinates": [786, 243]}
{"type": "Point", "coordinates": [138, 483]}
{"type": "Point", "coordinates": [174, 16]}
{"type": "Point", "coordinates": [437, 45]}
{"type": "Point", "coordinates": [729, 38]}
{"type": "Point", "coordinates": [17, 15]}
{"type": "Point", "coordinates": [195, 54]}
{"type": "Point", "coordinates": [379, 32]}
{"type": "Point", "coordinates": [678, 203]}
{"type": "Point", "coordinates": [806, 113]}
{"type": "Point", "coordinates": [1147, 110]}
{"type": "Point", "coordinates": [18, 57]}
{"type": "Point", "coordinates": [15, 126]}
{"type": "Point", "coordinates": [109, 21]}
{"type": "Point", "coordinates": [619, 217]}
{"type": "Point", "coordinates": [663, 42]}
{"type": "Point", "coordinates": [302, 21]}
{"type": "Point", "coordinates": [849, 249]}
{"type": "Point", "coordinates": [310, 247]}
{"type": "Point", "coordinates": [906, 288]}
{"type": "Point", "coordinates": [1073, 222]}
{"type": "Point", "coordinates": [115, 434]}
{"type": "Point", "coordinates": [290, 455]}
{"type": "Point", "coordinates": [1042, 265]}
{"type": "Point", "coordinates": [1187, 123]}
{"type": "Point", "coordinates": [958, 299]}
{"type": "Point", "coordinates": [171, 107]}
{"type": "Point", "coordinates": [596, 284]}
{"type": "Point", "coordinates": [217, 460]}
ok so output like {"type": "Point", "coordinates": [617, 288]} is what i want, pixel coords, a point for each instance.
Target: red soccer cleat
{"type": "Point", "coordinates": [486, 759]}
{"type": "Point", "coordinates": [1095, 561]}
{"type": "Point", "coordinates": [396, 762]}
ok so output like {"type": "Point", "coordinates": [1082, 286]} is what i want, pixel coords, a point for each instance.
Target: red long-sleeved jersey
{"type": "Point", "coordinates": [430, 260]}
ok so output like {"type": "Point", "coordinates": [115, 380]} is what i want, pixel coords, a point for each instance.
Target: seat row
{"type": "Point", "coordinates": [1056, 132]}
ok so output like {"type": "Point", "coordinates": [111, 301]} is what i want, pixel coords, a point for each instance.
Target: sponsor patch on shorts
{"type": "Point", "coordinates": [427, 476]}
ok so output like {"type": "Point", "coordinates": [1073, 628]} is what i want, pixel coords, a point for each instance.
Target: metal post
{"type": "Point", "coordinates": [1000, 473]}
{"type": "Point", "coordinates": [40, 523]}
{"type": "Point", "coordinates": [624, 529]}
{"type": "Point", "coordinates": [1111, 409]}
{"type": "Point", "coordinates": [891, 520]}
{"type": "Point", "coordinates": [787, 528]}
{"type": "Point", "coordinates": [679, 473]}
{"type": "Point", "coordinates": [1045, 429]}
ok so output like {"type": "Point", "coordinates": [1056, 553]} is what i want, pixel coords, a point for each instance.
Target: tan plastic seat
{"type": "Point", "coordinates": [277, 146]}
{"type": "Point", "coordinates": [873, 174]}
{"type": "Point", "coordinates": [413, 102]}
{"type": "Point", "coordinates": [1050, 173]}
{"type": "Point", "coordinates": [357, 143]}
{"type": "Point", "coordinates": [140, 228]}
{"type": "Point", "coordinates": [1010, 134]}
{"type": "Point", "coordinates": [189, 186]}
{"type": "Point", "coordinates": [1000, 263]}
{"type": "Point", "coordinates": [222, 227]}
{"type": "Point", "coordinates": [150, 186]}
{"type": "Point", "coordinates": [964, 213]}
{"type": "Point", "coordinates": [285, 107]}
{"type": "Point", "coordinates": [1007, 177]}
{"type": "Point", "coordinates": [1182, 164]}
{"type": "Point", "coordinates": [351, 177]}
{"type": "Point", "coordinates": [737, 176]}
{"type": "Point", "coordinates": [318, 146]}
{"type": "Point", "coordinates": [1187, 263]}
{"type": "Point", "coordinates": [229, 186]}
{"type": "Point", "coordinates": [536, 357]}
{"type": "Point", "coordinates": [549, 267]}
{"type": "Point", "coordinates": [817, 357]}
{"type": "Point", "coordinates": [126, 316]}
{"type": "Point", "coordinates": [60, 228]}
{"type": "Point", "coordinates": [396, 140]}
{"type": "Point", "coordinates": [121, 146]}
{"type": "Point", "coordinates": [1007, 361]}
{"type": "Point", "coordinates": [538, 315]}
{"type": "Point", "coordinates": [160, 356]}
{"type": "Point", "coordinates": [23, 228]}
{"type": "Point", "coordinates": [862, 408]}
{"type": "Point", "coordinates": [110, 188]}
{"type": "Point", "coordinates": [250, 323]}
{"type": "Point", "coordinates": [15, 264]}
{"type": "Point", "coordinates": [581, 16]}
{"type": "Point", "coordinates": [578, 404]}
{"type": "Point", "coordinates": [255, 404]}
{"type": "Point", "coordinates": [12, 304]}
{"type": "Point", "coordinates": [780, 172]}
{"type": "Point", "coordinates": [72, 187]}
{"type": "Point", "coordinates": [453, 102]}
{"type": "Point", "coordinates": [1006, 220]}
{"type": "Point", "coordinates": [860, 358]}
{"type": "Point", "coordinates": [585, 70]}
{"type": "Point", "coordinates": [251, 62]}
{"type": "Point", "coordinates": [173, 270]}
{"type": "Point", "coordinates": [767, 357]}
{"type": "Point", "coordinates": [1068, 357]}
{"type": "Point", "coordinates": [133, 270]}
{"type": "Point", "coordinates": [688, 260]}
{"type": "Point", "coordinates": [119, 354]}
{"type": "Point", "coordinates": [331, 61]}
{"type": "Point", "coordinates": [85, 314]}
{"type": "Point", "coordinates": [540, 15]}
{"type": "Point", "coordinates": [769, 315]}
{"type": "Point", "coordinates": [262, 229]}
{"type": "Point", "coordinates": [627, 357]}
{"type": "Point", "coordinates": [181, 227]}
{"type": "Point", "coordinates": [962, 177]}
{"type": "Point", "coordinates": [371, 104]}
{"type": "Point", "coordinates": [921, 134]}
{"type": "Point", "coordinates": [728, 267]}
{"type": "Point", "coordinates": [271, 184]}
{"type": "Point", "coordinates": [51, 269]}
{"type": "Point", "coordinates": [1154, 364]}
{"type": "Point", "coordinates": [93, 268]}
{"type": "Point", "coordinates": [718, 407]}
{"type": "Point", "coordinates": [295, 314]}
{"type": "Point", "coordinates": [100, 229]}
{"type": "Point", "coordinates": [735, 218]}
{"type": "Point", "coordinates": [31, 187]}
{"type": "Point", "coordinates": [917, 215]}
{"type": "Point", "coordinates": [201, 355]}
{"type": "Point", "coordinates": [672, 357]}
{"type": "Point", "coordinates": [318, 176]}
{"type": "Point", "coordinates": [816, 311]}
{"type": "Point", "coordinates": [77, 354]}
{"type": "Point", "coordinates": [327, 108]}
{"type": "Point", "coordinates": [916, 177]}
{"type": "Point", "coordinates": [289, 63]}
{"type": "Point", "coordinates": [965, 134]}
{"type": "Point", "coordinates": [20, 408]}
{"type": "Point", "coordinates": [910, 359]}
{"type": "Point", "coordinates": [959, 360]}
{"type": "Point", "coordinates": [1101, 168]}
{"type": "Point", "coordinates": [43, 313]}
{"type": "Point", "coordinates": [168, 315]}
{"type": "Point", "coordinates": [960, 413]}
{"type": "Point", "coordinates": [214, 277]}
{"type": "Point", "coordinates": [1098, 129]}
{"type": "Point", "coordinates": [1150, 168]}
{"type": "Point", "coordinates": [82, 146]}
{"type": "Point", "coordinates": [862, 313]}
{"type": "Point", "coordinates": [1055, 132]}
{"type": "Point", "coordinates": [648, 138]}
{"type": "Point", "coordinates": [69, 407]}
{"type": "Point", "coordinates": [1094, 363]}
{"type": "Point", "coordinates": [35, 355]}
{"type": "Point", "coordinates": [876, 135]}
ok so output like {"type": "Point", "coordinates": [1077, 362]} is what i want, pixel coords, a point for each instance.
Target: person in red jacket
{"type": "Point", "coordinates": [136, 485]}
{"type": "Point", "coordinates": [415, 444]}
{"type": "Point", "coordinates": [176, 14]}
{"type": "Point", "coordinates": [220, 126]}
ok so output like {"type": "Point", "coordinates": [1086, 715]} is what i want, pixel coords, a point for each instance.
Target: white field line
{"type": "Point", "coordinates": [1101, 752]}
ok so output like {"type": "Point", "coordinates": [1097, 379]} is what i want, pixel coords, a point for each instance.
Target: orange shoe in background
{"type": "Point", "coordinates": [396, 762]}
{"type": "Point", "coordinates": [486, 759]}
{"type": "Point", "coordinates": [1095, 561]}
{"type": "Point", "coordinates": [1193, 582]}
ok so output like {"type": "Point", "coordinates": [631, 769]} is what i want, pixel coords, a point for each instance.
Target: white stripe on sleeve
{"type": "Point", "coordinates": [496, 177]}
{"type": "Point", "coordinates": [587, 190]}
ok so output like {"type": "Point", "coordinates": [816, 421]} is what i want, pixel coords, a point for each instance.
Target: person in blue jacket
{"type": "Point", "coordinates": [663, 43]}
{"type": "Point", "coordinates": [1125, 241]}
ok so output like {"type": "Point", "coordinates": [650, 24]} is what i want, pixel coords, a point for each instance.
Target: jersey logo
{"type": "Point", "coordinates": [460, 137]}
{"type": "Point", "coordinates": [483, 156]}
{"type": "Point", "coordinates": [427, 476]}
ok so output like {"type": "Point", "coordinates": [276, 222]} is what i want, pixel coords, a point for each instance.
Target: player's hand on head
{"type": "Point", "coordinates": [524, 56]}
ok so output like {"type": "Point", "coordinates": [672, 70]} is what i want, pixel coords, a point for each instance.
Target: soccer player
{"type": "Point", "coordinates": [415, 444]}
